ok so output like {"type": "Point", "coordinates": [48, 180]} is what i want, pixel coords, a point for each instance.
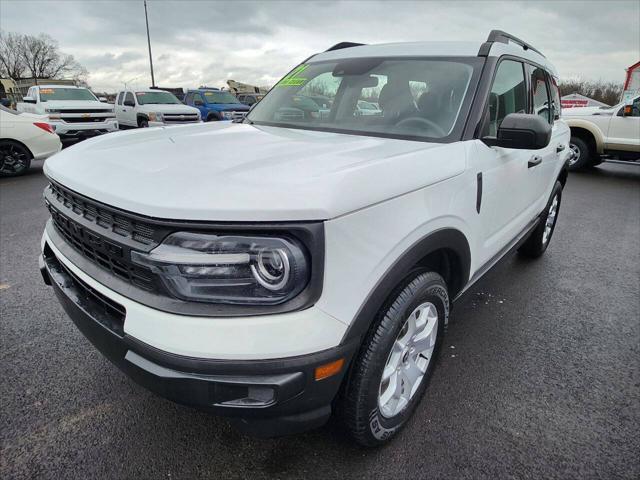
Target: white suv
{"type": "Point", "coordinates": [277, 269]}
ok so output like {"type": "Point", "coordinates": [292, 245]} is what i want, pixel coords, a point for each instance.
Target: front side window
{"type": "Point", "coordinates": [120, 97]}
{"type": "Point", "coordinates": [219, 97]}
{"type": "Point", "coordinates": [540, 94]}
{"type": "Point", "coordinates": [420, 99]}
{"type": "Point", "coordinates": [508, 94]}
{"type": "Point", "coordinates": [157, 98]}
{"type": "Point", "coordinates": [61, 93]}
{"type": "Point", "coordinates": [635, 107]}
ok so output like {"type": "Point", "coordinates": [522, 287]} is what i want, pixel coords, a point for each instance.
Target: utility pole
{"type": "Point", "coordinates": [153, 81]}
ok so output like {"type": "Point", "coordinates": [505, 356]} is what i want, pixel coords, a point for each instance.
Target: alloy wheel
{"type": "Point", "coordinates": [574, 154]}
{"type": "Point", "coordinates": [551, 220]}
{"type": "Point", "coordinates": [408, 360]}
{"type": "Point", "coordinates": [13, 159]}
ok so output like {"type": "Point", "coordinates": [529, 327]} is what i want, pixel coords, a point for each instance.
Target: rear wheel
{"type": "Point", "coordinates": [539, 239]}
{"type": "Point", "coordinates": [579, 154]}
{"type": "Point", "coordinates": [391, 372]}
{"type": "Point", "coordinates": [15, 158]}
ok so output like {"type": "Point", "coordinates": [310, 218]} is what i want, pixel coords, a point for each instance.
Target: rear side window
{"type": "Point", "coordinates": [556, 106]}
{"type": "Point", "coordinates": [540, 93]}
{"type": "Point", "coordinates": [508, 94]}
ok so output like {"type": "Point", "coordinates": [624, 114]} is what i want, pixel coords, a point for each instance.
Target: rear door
{"type": "Point", "coordinates": [543, 163]}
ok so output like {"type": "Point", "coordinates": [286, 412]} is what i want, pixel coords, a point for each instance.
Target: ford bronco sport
{"type": "Point", "coordinates": [287, 266]}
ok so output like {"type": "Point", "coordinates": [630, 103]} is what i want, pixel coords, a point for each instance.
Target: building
{"type": "Point", "coordinates": [576, 100]}
{"type": "Point", "coordinates": [632, 82]}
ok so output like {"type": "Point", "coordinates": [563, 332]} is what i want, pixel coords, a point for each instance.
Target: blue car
{"type": "Point", "coordinates": [216, 104]}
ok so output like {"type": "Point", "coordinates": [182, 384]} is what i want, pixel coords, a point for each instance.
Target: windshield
{"type": "Point", "coordinates": [47, 94]}
{"type": "Point", "coordinates": [220, 97]}
{"type": "Point", "coordinates": [162, 98]}
{"type": "Point", "coordinates": [394, 97]}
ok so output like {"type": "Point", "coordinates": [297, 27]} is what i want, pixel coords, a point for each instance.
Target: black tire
{"type": "Point", "coordinates": [143, 122]}
{"type": "Point", "coordinates": [359, 403]}
{"type": "Point", "coordinates": [596, 160]}
{"type": "Point", "coordinates": [581, 154]}
{"type": "Point", "coordinates": [15, 158]}
{"type": "Point", "coordinates": [212, 118]}
{"type": "Point", "coordinates": [538, 242]}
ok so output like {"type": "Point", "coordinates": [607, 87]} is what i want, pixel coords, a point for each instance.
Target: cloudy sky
{"type": "Point", "coordinates": [208, 42]}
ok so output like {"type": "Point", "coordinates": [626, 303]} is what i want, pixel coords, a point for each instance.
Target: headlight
{"type": "Point", "coordinates": [155, 117]}
{"type": "Point", "coordinates": [227, 115]}
{"type": "Point", "coordinates": [229, 269]}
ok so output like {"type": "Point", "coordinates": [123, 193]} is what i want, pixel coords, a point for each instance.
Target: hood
{"type": "Point", "coordinates": [76, 104]}
{"type": "Point", "coordinates": [240, 172]}
{"type": "Point", "coordinates": [239, 107]}
{"type": "Point", "coordinates": [586, 111]}
{"type": "Point", "coordinates": [172, 108]}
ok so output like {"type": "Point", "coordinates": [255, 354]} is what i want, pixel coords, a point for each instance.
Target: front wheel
{"type": "Point", "coordinates": [539, 239]}
{"type": "Point", "coordinates": [143, 123]}
{"type": "Point", "coordinates": [391, 372]}
{"type": "Point", "coordinates": [579, 154]}
{"type": "Point", "coordinates": [15, 159]}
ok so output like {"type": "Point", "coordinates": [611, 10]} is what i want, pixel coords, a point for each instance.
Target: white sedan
{"type": "Point", "coordinates": [24, 137]}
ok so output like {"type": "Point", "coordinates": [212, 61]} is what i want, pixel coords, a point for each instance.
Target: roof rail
{"type": "Point", "coordinates": [341, 45]}
{"type": "Point", "coordinates": [503, 37]}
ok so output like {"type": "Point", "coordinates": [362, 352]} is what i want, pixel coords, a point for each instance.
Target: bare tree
{"type": "Point", "coordinates": [43, 58]}
{"type": "Point", "coordinates": [11, 60]}
{"type": "Point", "coordinates": [605, 92]}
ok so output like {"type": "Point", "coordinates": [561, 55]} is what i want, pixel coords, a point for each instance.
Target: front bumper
{"type": "Point", "coordinates": [263, 397]}
{"type": "Point", "coordinates": [68, 131]}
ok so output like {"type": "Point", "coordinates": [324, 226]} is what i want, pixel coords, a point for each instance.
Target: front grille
{"type": "Point", "coordinates": [102, 236]}
{"type": "Point", "coordinates": [85, 120]}
{"type": "Point", "coordinates": [120, 224]}
{"type": "Point", "coordinates": [106, 311]}
{"type": "Point", "coordinates": [177, 118]}
{"type": "Point", "coordinates": [237, 115]}
{"type": "Point", "coordinates": [87, 110]}
{"type": "Point", "coordinates": [100, 251]}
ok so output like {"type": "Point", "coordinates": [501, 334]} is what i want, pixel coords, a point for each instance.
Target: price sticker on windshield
{"type": "Point", "coordinates": [47, 90]}
{"type": "Point", "coordinates": [293, 79]}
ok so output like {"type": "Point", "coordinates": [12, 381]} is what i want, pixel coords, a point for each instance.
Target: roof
{"type": "Point", "coordinates": [437, 49]}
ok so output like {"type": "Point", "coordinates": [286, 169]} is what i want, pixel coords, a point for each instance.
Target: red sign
{"type": "Point", "coordinates": [574, 103]}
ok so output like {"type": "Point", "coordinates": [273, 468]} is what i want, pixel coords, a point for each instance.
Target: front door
{"type": "Point", "coordinates": [624, 132]}
{"type": "Point", "coordinates": [508, 185]}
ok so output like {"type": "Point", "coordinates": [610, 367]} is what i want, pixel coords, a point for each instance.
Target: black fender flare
{"type": "Point", "coordinates": [447, 238]}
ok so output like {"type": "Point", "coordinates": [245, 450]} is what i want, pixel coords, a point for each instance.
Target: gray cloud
{"type": "Point", "coordinates": [202, 42]}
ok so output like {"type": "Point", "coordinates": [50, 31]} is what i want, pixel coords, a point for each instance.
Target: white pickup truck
{"type": "Point", "coordinates": [597, 132]}
{"type": "Point", "coordinates": [74, 112]}
{"type": "Point", "coordinates": [152, 108]}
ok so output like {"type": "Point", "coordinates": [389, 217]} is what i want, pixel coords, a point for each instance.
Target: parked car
{"type": "Point", "coordinates": [152, 108]}
{"type": "Point", "coordinates": [256, 269]}
{"type": "Point", "coordinates": [250, 98]}
{"type": "Point", "coordinates": [598, 132]}
{"type": "Point", "coordinates": [216, 104]}
{"type": "Point", "coordinates": [74, 112]}
{"type": "Point", "coordinates": [24, 137]}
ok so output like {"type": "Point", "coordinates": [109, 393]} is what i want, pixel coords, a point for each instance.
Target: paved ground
{"type": "Point", "coordinates": [539, 377]}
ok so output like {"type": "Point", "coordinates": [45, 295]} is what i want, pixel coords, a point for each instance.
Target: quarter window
{"type": "Point", "coordinates": [555, 98]}
{"type": "Point", "coordinates": [540, 94]}
{"type": "Point", "coordinates": [508, 94]}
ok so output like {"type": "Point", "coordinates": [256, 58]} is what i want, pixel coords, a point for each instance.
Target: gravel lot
{"type": "Point", "coordinates": [539, 376]}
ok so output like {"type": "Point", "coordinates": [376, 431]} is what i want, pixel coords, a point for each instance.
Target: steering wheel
{"type": "Point", "coordinates": [421, 121]}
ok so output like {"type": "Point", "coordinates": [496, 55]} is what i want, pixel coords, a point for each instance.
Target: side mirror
{"type": "Point", "coordinates": [522, 131]}
{"type": "Point", "coordinates": [29, 100]}
{"type": "Point", "coordinates": [129, 103]}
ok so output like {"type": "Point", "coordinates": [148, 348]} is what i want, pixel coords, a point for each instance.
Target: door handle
{"type": "Point", "coordinates": [534, 161]}
{"type": "Point", "coordinates": [560, 148]}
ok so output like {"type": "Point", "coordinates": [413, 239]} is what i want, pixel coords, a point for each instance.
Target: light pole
{"type": "Point", "coordinates": [146, 18]}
